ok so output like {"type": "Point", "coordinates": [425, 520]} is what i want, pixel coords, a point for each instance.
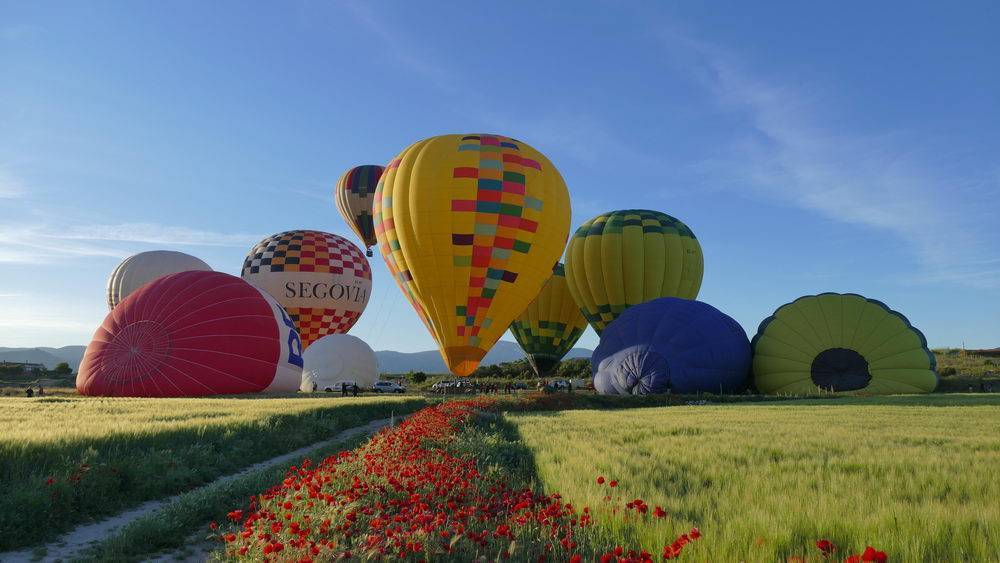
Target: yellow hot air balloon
{"type": "Point", "coordinates": [551, 324]}
{"type": "Point", "coordinates": [353, 195]}
{"type": "Point", "coordinates": [623, 258]}
{"type": "Point", "coordinates": [470, 227]}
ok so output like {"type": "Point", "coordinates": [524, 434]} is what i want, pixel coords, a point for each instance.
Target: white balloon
{"type": "Point", "coordinates": [139, 269]}
{"type": "Point", "coordinates": [338, 358]}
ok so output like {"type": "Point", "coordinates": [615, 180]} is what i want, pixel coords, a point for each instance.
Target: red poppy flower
{"type": "Point", "coordinates": [600, 480]}
{"type": "Point", "coordinates": [826, 546]}
{"type": "Point", "coordinates": [871, 554]}
{"type": "Point", "coordinates": [613, 483]}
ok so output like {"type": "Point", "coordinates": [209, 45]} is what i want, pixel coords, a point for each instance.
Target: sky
{"type": "Point", "coordinates": [848, 147]}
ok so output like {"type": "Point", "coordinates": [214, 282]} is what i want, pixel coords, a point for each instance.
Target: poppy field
{"type": "Point", "coordinates": [562, 477]}
{"type": "Point", "coordinates": [68, 460]}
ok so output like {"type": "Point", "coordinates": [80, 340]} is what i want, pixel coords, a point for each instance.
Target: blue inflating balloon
{"type": "Point", "coordinates": [671, 344]}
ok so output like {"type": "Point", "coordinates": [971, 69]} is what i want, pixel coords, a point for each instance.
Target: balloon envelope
{"type": "Point", "coordinates": [323, 280]}
{"type": "Point", "coordinates": [841, 343]}
{"type": "Point", "coordinates": [337, 358]}
{"type": "Point", "coordinates": [470, 227]}
{"type": "Point", "coordinates": [623, 258]}
{"type": "Point", "coordinates": [189, 334]}
{"type": "Point", "coordinates": [670, 343]}
{"type": "Point", "coordinates": [551, 324]}
{"type": "Point", "coordinates": [139, 269]}
{"type": "Point", "coordinates": [354, 195]}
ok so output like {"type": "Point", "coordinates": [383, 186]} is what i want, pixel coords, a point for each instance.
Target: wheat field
{"type": "Point", "coordinates": [913, 476]}
{"type": "Point", "coordinates": [69, 459]}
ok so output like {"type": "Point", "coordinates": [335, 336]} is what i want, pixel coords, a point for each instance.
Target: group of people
{"type": "Point", "coordinates": [29, 392]}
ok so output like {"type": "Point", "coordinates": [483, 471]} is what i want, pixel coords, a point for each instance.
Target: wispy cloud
{"type": "Point", "coordinates": [10, 186]}
{"type": "Point", "coordinates": [887, 181]}
{"type": "Point", "coordinates": [44, 244]}
{"type": "Point", "coordinates": [154, 233]}
{"type": "Point", "coordinates": [395, 43]}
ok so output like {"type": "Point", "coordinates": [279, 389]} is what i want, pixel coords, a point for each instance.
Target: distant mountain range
{"type": "Point", "coordinates": [388, 361]}
{"type": "Point", "coordinates": [50, 357]}
{"type": "Point", "coordinates": [431, 362]}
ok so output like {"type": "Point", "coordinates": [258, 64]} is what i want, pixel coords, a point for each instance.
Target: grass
{"type": "Point", "coordinates": [173, 526]}
{"type": "Point", "coordinates": [67, 460]}
{"type": "Point", "coordinates": [914, 476]}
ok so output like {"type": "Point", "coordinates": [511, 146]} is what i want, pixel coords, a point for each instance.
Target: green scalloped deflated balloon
{"type": "Point", "coordinates": [841, 343]}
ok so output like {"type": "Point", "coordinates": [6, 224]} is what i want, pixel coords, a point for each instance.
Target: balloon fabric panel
{"type": "Point", "coordinates": [841, 343]}
{"type": "Point", "coordinates": [684, 345]}
{"type": "Point", "coordinates": [623, 258]}
{"type": "Point", "coordinates": [192, 333]}
{"type": "Point", "coordinates": [354, 196]}
{"type": "Point", "coordinates": [330, 280]}
{"type": "Point", "coordinates": [470, 227]}
{"type": "Point", "coordinates": [551, 324]}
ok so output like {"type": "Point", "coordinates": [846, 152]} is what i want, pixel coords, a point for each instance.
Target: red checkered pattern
{"type": "Point", "coordinates": [314, 324]}
{"type": "Point", "coordinates": [346, 257]}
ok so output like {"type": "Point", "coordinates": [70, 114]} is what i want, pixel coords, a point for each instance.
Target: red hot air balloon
{"type": "Point", "coordinates": [189, 334]}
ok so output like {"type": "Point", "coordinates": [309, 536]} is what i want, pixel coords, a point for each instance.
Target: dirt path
{"type": "Point", "coordinates": [71, 544]}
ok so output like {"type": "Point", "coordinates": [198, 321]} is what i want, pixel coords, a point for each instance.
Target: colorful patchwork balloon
{"type": "Point", "coordinates": [470, 227]}
{"type": "Point", "coordinates": [841, 343]}
{"type": "Point", "coordinates": [551, 324]}
{"type": "Point", "coordinates": [323, 280]}
{"type": "Point", "coordinates": [623, 258]}
{"type": "Point", "coordinates": [190, 334]}
{"type": "Point", "coordinates": [354, 195]}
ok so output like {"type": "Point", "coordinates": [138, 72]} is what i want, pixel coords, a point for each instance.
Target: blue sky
{"type": "Point", "coordinates": [849, 147]}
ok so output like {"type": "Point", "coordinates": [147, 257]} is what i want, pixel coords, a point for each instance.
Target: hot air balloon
{"type": "Point", "coordinates": [321, 279]}
{"type": "Point", "coordinates": [140, 269]}
{"type": "Point", "coordinates": [190, 334]}
{"type": "Point", "coordinates": [354, 194]}
{"type": "Point", "coordinates": [623, 258]}
{"type": "Point", "coordinates": [551, 324]}
{"type": "Point", "coordinates": [339, 358]}
{"type": "Point", "coordinates": [670, 343]}
{"type": "Point", "coordinates": [470, 227]}
{"type": "Point", "coordinates": [841, 342]}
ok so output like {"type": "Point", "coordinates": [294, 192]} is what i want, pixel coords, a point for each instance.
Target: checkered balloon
{"type": "Point", "coordinates": [321, 279]}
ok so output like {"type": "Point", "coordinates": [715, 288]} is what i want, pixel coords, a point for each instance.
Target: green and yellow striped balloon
{"type": "Point", "coordinates": [624, 258]}
{"type": "Point", "coordinates": [551, 324]}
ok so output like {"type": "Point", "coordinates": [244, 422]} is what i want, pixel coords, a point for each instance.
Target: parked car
{"type": "Point", "coordinates": [388, 387]}
{"type": "Point", "coordinates": [338, 386]}
{"type": "Point", "coordinates": [451, 387]}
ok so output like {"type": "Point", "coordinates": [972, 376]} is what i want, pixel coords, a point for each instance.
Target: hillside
{"type": "Point", "coordinates": [428, 361]}
{"type": "Point", "coordinates": [50, 357]}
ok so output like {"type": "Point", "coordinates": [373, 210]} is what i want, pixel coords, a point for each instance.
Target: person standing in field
{"type": "Point", "coordinates": [343, 389]}
{"type": "Point", "coordinates": [29, 392]}
{"type": "Point", "coordinates": [354, 390]}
